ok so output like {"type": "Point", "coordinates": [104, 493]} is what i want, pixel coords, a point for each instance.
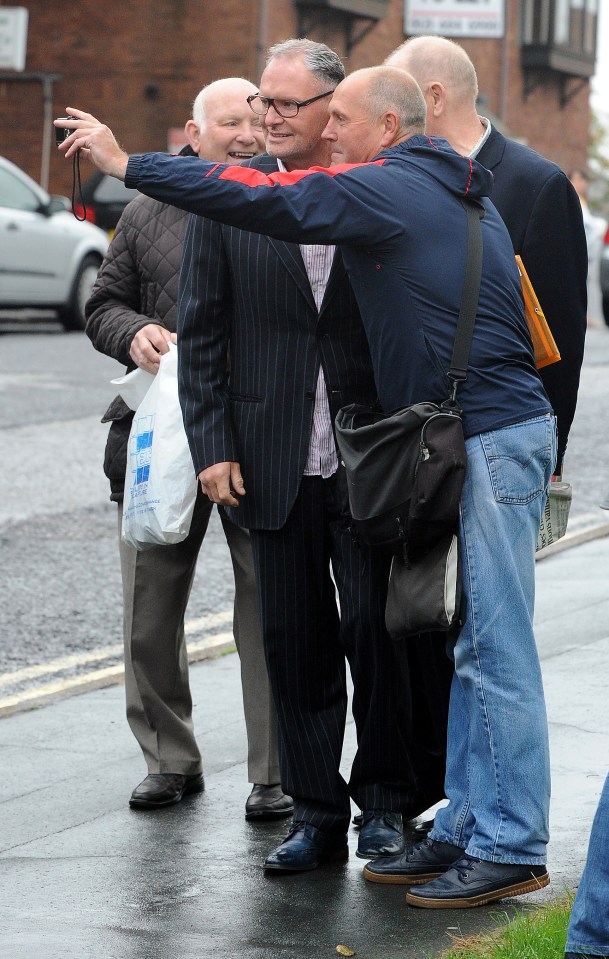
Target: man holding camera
{"type": "Point", "coordinates": [394, 205]}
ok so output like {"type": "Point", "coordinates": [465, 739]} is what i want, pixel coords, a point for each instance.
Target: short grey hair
{"type": "Point", "coordinates": [392, 89]}
{"type": "Point", "coordinates": [324, 63]}
{"type": "Point", "coordinates": [198, 110]}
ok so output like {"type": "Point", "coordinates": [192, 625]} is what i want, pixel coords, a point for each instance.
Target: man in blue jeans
{"type": "Point", "coordinates": [392, 200]}
{"type": "Point", "coordinates": [588, 932]}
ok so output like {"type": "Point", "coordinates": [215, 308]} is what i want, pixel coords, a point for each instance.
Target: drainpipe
{"type": "Point", "coordinates": [503, 79]}
{"type": "Point", "coordinates": [48, 131]}
{"type": "Point", "coordinates": [262, 38]}
{"type": "Point", "coordinates": [46, 81]}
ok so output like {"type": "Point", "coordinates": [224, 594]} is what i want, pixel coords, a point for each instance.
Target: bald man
{"type": "Point", "coordinates": [131, 316]}
{"type": "Point", "coordinates": [534, 197]}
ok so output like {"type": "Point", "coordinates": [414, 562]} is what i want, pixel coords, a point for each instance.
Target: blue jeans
{"type": "Point", "coordinates": [588, 931]}
{"type": "Point", "coordinates": [498, 770]}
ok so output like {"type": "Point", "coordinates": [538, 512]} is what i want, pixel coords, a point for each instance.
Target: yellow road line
{"type": "Point", "coordinates": [108, 676]}
{"type": "Point", "coordinates": [113, 673]}
{"type": "Point", "coordinates": [58, 665]}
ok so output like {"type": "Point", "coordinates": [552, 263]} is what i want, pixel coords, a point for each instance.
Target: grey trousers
{"type": "Point", "coordinates": [156, 587]}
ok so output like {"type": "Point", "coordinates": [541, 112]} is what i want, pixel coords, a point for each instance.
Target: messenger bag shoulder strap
{"type": "Point", "coordinates": [469, 298]}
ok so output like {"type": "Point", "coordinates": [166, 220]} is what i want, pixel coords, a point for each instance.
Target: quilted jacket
{"type": "Point", "coordinates": [137, 284]}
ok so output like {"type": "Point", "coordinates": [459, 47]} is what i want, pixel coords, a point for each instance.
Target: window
{"type": "Point", "coordinates": [560, 35]}
{"type": "Point", "coordinates": [16, 195]}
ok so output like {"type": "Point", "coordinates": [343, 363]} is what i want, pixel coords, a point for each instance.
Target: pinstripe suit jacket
{"type": "Point", "coordinates": [247, 297]}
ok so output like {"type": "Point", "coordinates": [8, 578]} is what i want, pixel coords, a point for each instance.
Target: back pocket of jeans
{"type": "Point", "coordinates": [518, 459]}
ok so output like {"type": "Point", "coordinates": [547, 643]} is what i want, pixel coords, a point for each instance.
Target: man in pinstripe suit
{"type": "Point", "coordinates": [260, 431]}
{"type": "Point", "coordinates": [262, 442]}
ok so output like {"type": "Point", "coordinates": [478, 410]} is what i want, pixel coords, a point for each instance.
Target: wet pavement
{"type": "Point", "coordinates": [82, 875]}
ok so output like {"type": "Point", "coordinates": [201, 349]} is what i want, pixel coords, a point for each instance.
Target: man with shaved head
{"type": "Point", "coordinates": [396, 208]}
{"type": "Point", "coordinates": [534, 197]}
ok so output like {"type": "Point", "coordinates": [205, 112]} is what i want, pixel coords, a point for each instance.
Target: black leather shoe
{"type": "Point", "coordinates": [419, 806]}
{"type": "Point", "coordinates": [475, 882]}
{"type": "Point", "coordinates": [268, 802]}
{"type": "Point", "coordinates": [306, 847]}
{"type": "Point", "coordinates": [380, 834]}
{"type": "Point", "coordinates": [418, 864]}
{"type": "Point", "coordinates": [164, 789]}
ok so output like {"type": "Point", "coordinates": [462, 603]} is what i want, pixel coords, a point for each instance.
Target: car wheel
{"type": "Point", "coordinates": [72, 315]}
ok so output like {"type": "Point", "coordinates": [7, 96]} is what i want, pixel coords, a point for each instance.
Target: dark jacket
{"type": "Point", "coordinates": [544, 219]}
{"type": "Point", "coordinates": [256, 304]}
{"type": "Point", "coordinates": [137, 284]}
{"type": "Point", "coordinates": [403, 235]}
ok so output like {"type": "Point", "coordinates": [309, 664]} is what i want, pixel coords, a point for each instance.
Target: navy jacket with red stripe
{"type": "Point", "coordinates": [403, 234]}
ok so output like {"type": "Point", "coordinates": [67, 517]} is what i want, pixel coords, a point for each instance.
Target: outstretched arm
{"type": "Point", "coordinates": [347, 204]}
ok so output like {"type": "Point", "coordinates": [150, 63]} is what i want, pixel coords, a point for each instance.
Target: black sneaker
{"type": "Point", "coordinates": [475, 882]}
{"type": "Point", "coordinates": [420, 863]}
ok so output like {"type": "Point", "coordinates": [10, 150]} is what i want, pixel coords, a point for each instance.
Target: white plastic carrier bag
{"type": "Point", "coordinates": [160, 482]}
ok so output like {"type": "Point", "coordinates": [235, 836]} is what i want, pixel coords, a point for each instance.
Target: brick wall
{"type": "Point", "coordinates": [139, 63]}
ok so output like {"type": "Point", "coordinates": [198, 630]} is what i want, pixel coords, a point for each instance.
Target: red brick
{"type": "Point", "coordinates": [138, 64]}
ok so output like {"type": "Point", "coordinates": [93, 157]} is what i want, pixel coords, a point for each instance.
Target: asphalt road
{"type": "Point", "coordinates": [60, 590]}
{"type": "Point", "coordinates": [60, 594]}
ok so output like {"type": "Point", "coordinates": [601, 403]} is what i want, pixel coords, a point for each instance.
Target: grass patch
{"type": "Point", "coordinates": [538, 933]}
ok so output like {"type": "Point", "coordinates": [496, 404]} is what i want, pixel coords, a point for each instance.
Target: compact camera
{"type": "Point", "coordinates": [62, 134]}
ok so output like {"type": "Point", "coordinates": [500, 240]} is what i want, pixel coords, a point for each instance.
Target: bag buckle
{"type": "Point", "coordinates": [450, 405]}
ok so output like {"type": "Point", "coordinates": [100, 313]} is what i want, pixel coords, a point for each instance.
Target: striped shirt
{"type": "Point", "coordinates": [322, 458]}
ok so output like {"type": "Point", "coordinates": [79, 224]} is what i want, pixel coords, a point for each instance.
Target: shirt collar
{"type": "Point", "coordinates": [487, 132]}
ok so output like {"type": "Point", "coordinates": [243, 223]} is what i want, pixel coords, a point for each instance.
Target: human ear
{"type": "Point", "coordinates": [390, 128]}
{"type": "Point", "coordinates": [194, 135]}
{"type": "Point", "coordinates": [437, 95]}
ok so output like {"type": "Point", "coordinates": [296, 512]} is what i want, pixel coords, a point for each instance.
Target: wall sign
{"type": "Point", "coordinates": [454, 18]}
{"type": "Point", "coordinates": [13, 37]}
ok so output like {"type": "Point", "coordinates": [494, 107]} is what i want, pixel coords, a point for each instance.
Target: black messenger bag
{"type": "Point", "coordinates": [405, 473]}
{"type": "Point", "coordinates": [405, 469]}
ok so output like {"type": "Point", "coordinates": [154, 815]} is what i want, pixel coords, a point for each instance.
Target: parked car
{"type": "Point", "coordinates": [605, 276]}
{"type": "Point", "coordinates": [104, 199]}
{"type": "Point", "coordinates": [48, 259]}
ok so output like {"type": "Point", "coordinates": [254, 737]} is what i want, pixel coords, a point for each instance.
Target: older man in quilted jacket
{"type": "Point", "coordinates": [131, 316]}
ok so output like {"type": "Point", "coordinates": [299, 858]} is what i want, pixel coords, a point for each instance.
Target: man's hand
{"type": "Point", "coordinates": [222, 483]}
{"type": "Point", "coordinates": [95, 141]}
{"type": "Point", "coordinates": [148, 344]}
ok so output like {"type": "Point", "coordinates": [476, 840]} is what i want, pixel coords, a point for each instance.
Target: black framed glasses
{"type": "Point", "coordinates": [283, 108]}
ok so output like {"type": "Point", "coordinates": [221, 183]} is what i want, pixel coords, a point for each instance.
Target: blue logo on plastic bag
{"type": "Point", "coordinates": [140, 453]}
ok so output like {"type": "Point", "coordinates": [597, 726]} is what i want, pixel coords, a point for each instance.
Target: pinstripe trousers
{"type": "Point", "coordinates": [307, 644]}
